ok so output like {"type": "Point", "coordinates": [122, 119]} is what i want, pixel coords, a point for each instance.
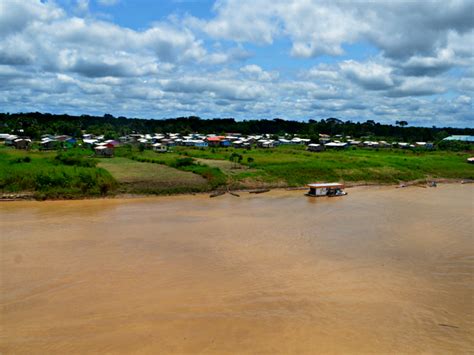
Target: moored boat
{"type": "Point", "coordinates": [326, 189]}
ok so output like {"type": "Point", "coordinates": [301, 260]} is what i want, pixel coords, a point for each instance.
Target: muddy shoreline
{"type": "Point", "coordinates": [29, 196]}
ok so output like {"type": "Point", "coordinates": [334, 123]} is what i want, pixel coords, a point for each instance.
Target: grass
{"type": "Point", "coordinates": [75, 174]}
{"type": "Point", "coordinates": [293, 166]}
{"type": "Point", "coordinates": [137, 177]}
{"type": "Point", "coordinates": [213, 175]}
{"type": "Point", "coordinates": [43, 176]}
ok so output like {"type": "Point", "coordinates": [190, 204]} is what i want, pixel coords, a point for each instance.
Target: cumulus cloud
{"type": "Point", "coordinates": [370, 75]}
{"type": "Point", "coordinates": [217, 88]}
{"type": "Point", "coordinates": [257, 73]}
{"type": "Point", "coordinates": [399, 28]}
{"type": "Point", "coordinates": [419, 67]}
{"type": "Point", "coordinates": [418, 86]}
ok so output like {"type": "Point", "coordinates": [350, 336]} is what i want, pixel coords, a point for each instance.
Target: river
{"type": "Point", "coordinates": [381, 270]}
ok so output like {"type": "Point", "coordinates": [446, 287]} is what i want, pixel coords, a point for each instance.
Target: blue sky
{"type": "Point", "coordinates": [293, 59]}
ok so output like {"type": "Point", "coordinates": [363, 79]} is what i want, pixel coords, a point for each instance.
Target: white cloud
{"type": "Point", "coordinates": [399, 28]}
{"type": "Point", "coordinates": [108, 2]}
{"type": "Point", "coordinates": [370, 75]}
{"type": "Point", "coordinates": [255, 72]}
{"type": "Point", "coordinates": [418, 86]}
{"type": "Point", "coordinates": [51, 60]}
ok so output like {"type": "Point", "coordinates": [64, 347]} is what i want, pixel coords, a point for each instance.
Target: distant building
{"type": "Point", "coordinates": [313, 147]}
{"type": "Point", "coordinates": [214, 141]}
{"type": "Point", "coordinates": [48, 143]}
{"type": "Point", "coordinates": [469, 139]}
{"type": "Point", "coordinates": [425, 145]}
{"type": "Point", "coordinates": [22, 143]}
{"type": "Point", "coordinates": [10, 139]}
{"type": "Point", "coordinates": [336, 145]}
{"type": "Point", "coordinates": [104, 150]}
{"type": "Point", "coordinates": [160, 148]}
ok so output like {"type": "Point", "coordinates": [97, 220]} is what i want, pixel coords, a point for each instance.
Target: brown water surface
{"type": "Point", "coordinates": [381, 270]}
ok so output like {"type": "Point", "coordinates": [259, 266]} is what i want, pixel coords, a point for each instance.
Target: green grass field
{"type": "Point", "coordinates": [43, 176]}
{"type": "Point", "coordinates": [75, 174]}
{"type": "Point", "coordinates": [137, 177]}
{"type": "Point", "coordinates": [294, 166]}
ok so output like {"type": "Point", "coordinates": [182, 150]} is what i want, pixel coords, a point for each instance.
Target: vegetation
{"type": "Point", "coordinates": [47, 175]}
{"type": "Point", "coordinates": [145, 178]}
{"type": "Point", "coordinates": [35, 124]}
{"type": "Point", "coordinates": [293, 166]}
{"type": "Point", "coordinates": [213, 175]}
{"type": "Point", "coordinates": [75, 173]}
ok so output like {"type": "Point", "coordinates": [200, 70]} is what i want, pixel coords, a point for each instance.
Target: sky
{"type": "Point", "coordinates": [354, 60]}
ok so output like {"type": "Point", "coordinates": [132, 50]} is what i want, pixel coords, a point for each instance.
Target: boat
{"type": "Point", "coordinates": [326, 189]}
{"type": "Point", "coordinates": [259, 191]}
{"type": "Point", "coordinates": [217, 193]}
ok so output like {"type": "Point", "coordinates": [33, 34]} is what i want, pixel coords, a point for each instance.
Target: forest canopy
{"type": "Point", "coordinates": [35, 124]}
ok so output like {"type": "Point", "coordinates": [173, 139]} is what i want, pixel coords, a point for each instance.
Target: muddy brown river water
{"type": "Point", "coordinates": [382, 270]}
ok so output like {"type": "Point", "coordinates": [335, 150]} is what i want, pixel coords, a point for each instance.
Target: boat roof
{"type": "Point", "coordinates": [326, 185]}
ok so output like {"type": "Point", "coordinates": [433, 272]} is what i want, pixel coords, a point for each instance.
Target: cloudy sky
{"type": "Point", "coordinates": [295, 59]}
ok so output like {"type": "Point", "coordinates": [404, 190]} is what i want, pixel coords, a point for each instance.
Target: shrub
{"type": "Point", "coordinates": [182, 162]}
{"type": "Point", "coordinates": [75, 158]}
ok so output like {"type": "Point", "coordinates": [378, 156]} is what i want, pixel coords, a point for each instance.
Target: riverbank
{"type": "Point", "coordinates": [126, 196]}
{"type": "Point", "coordinates": [382, 270]}
{"type": "Point", "coordinates": [76, 174]}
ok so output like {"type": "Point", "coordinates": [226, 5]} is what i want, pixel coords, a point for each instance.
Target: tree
{"type": "Point", "coordinates": [250, 160]}
{"type": "Point", "coordinates": [236, 159]}
{"type": "Point", "coordinates": [401, 123]}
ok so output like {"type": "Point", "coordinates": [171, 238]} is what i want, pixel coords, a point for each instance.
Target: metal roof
{"type": "Point", "coordinates": [460, 138]}
{"type": "Point", "coordinates": [326, 185]}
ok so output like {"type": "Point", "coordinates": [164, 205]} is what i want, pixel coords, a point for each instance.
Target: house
{"type": "Point", "coordinates": [48, 143]}
{"type": "Point", "coordinates": [384, 144]}
{"type": "Point", "coordinates": [10, 139]}
{"type": "Point", "coordinates": [214, 141]}
{"type": "Point", "coordinates": [266, 143]}
{"type": "Point", "coordinates": [355, 143]}
{"type": "Point", "coordinates": [371, 144]}
{"type": "Point", "coordinates": [313, 147]}
{"type": "Point", "coordinates": [336, 145]}
{"type": "Point", "coordinates": [104, 150]}
{"type": "Point", "coordinates": [403, 145]}
{"type": "Point", "coordinates": [469, 139]}
{"type": "Point", "coordinates": [90, 142]}
{"type": "Point", "coordinates": [225, 143]}
{"type": "Point", "coordinates": [160, 148]}
{"type": "Point", "coordinates": [168, 142]}
{"type": "Point", "coordinates": [420, 144]}
{"type": "Point", "coordinates": [199, 143]}
{"type": "Point", "coordinates": [237, 143]}
{"type": "Point", "coordinates": [113, 142]}
{"type": "Point", "coordinates": [62, 138]}
{"type": "Point", "coordinates": [22, 143]}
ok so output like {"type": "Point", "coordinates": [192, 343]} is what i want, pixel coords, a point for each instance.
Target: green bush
{"type": "Point", "coordinates": [75, 158]}
{"type": "Point", "coordinates": [182, 162]}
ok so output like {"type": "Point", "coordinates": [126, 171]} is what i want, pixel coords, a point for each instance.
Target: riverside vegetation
{"type": "Point", "coordinates": [76, 173]}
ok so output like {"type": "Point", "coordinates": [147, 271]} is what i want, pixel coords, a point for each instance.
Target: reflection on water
{"type": "Point", "coordinates": [380, 270]}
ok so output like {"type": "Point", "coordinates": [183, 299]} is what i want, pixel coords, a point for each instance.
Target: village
{"type": "Point", "coordinates": [162, 143]}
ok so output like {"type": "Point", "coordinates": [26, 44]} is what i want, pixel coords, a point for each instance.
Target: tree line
{"type": "Point", "coordinates": [36, 124]}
